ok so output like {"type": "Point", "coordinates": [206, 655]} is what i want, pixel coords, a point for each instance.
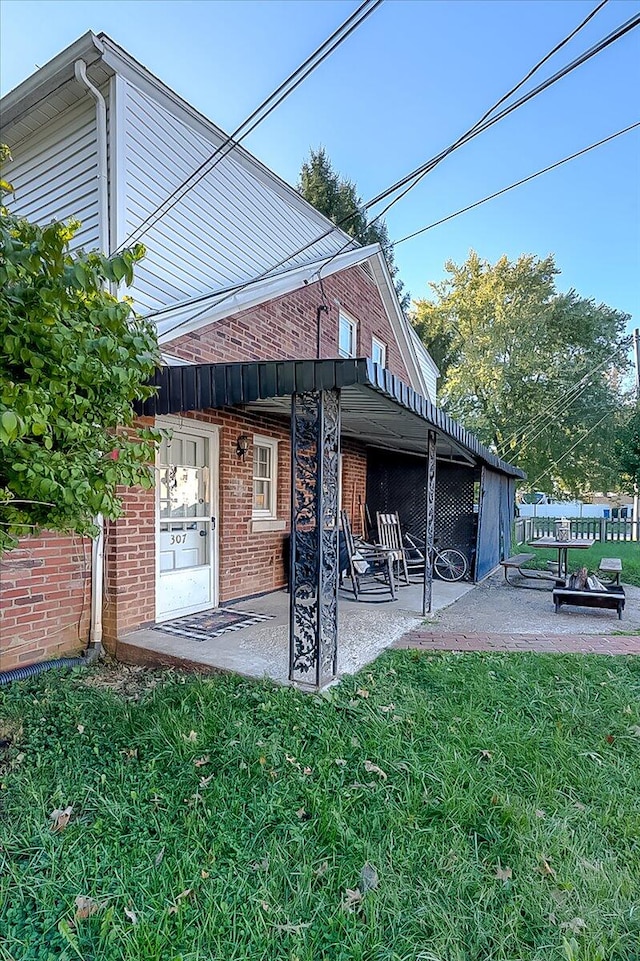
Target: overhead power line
{"type": "Point", "coordinates": [569, 451]}
{"type": "Point", "coordinates": [261, 112]}
{"type": "Point", "coordinates": [422, 169]}
{"type": "Point", "coordinates": [413, 178]}
{"type": "Point", "coordinates": [518, 183]}
{"type": "Point", "coordinates": [539, 423]}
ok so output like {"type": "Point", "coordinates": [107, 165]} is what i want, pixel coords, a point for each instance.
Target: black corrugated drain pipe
{"type": "Point", "coordinates": [32, 670]}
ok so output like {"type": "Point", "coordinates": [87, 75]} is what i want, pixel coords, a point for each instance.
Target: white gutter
{"type": "Point", "coordinates": [97, 566]}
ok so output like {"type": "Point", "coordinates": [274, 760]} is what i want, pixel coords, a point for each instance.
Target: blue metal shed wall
{"type": "Point", "coordinates": [507, 511]}
{"type": "Point", "coordinates": [488, 553]}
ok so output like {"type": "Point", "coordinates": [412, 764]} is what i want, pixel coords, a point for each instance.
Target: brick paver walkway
{"type": "Point", "coordinates": [542, 643]}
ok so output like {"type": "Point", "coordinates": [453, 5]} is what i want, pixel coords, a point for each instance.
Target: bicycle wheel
{"type": "Point", "coordinates": [450, 565]}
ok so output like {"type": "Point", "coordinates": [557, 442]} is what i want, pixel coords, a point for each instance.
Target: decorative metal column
{"type": "Point", "coordinates": [430, 513]}
{"type": "Point", "coordinates": [313, 611]}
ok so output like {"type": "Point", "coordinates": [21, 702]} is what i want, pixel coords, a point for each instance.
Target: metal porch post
{"type": "Point", "coordinates": [313, 581]}
{"type": "Point", "coordinates": [429, 527]}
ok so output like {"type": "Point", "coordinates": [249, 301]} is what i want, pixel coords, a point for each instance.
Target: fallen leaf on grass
{"type": "Point", "coordinates": [175, 907]}
{"type": "Point", "coordinates": [609, 738]}
{"type": "Point", "coordinates": [129, 752]}
{"type": "Point", "coordinates": [301, 813]}
{"type": "Point", "coordinates": [322, 869]}
{"type": "Point", "coordinates": [204, 781]}
{"type": "Point", "coordinates": [204, 874]}
{"type": "Point", "coordinates": [260, 865]}
{"type": "Point", "coordinates": [485, 755]}
{"type": "Point", "coordinates": [60, 818]}
{"type": "Point", "coordinates": [306, 770]}
{"type": "Point", "coordinates": [540, 813]}
{"type": "Point", "coordinates": [575, 925]}
{"type": "Point", "coordinates": [386, 708]}
{"type": "Point", "coordinates": [352, 899]}
{"type": "Point", "coordinates": [159, 857]}
{"type": "Point", "coordinates": [80, 728]}
{"type": "Point", "coordinates": [202, 760]}
{"type": "Point", "coordinates": [133, 917]}
{"type": "Point", "coordinates": [265, 906]}
{"type": "Point", "coordinates": [368, 878]}
{"type": "Point", "coordinates": [362, 692]}
{"type": "Point", "coordinates": [545, 869]}
{"type": "Point", "coordinates": [340, 761]}
{"type": "Point", "coordinates": [504, 874]}
{"type": "Point", "coordinates": [635, 730]}
{"type": "Point", "coordinates": [374, 769]}
{"type": "Point", "coordinates": [85, 907]}
{"type": "Point", "coordinates": [292, 928]}
{"type": "Point", "coordinates": [191, 737]}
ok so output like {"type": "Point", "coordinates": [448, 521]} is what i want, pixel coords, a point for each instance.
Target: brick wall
{"type": "Point", "coordinates": [286, 328]}
{"type": "Point", "coordinates": [45, 594]}
{"type": "Point", "coordinates": [45, 599]}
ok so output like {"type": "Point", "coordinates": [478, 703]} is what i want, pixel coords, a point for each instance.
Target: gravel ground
{"type": "Point", "coordinates": [497, 607]}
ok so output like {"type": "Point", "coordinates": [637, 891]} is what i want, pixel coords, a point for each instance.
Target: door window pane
{"type": "Point", "coordinates": [184, 478]}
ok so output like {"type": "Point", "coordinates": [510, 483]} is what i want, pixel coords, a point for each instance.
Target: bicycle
{"type": "Point", "coordinates": [448, 564]}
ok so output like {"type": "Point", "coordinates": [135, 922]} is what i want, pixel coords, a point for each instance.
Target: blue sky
{"type": "Point", "coordinates": [406, 84]}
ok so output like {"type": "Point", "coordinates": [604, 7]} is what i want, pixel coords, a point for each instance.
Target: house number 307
{"type": "Point", "coordinates": [178, 538]}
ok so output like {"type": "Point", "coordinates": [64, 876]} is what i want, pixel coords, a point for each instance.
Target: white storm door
{"type": "Point", "coordinates": [186, 524]}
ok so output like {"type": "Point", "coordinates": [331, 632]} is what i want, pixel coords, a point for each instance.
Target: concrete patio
{"type": "Point", "coordinates": [365, 628]}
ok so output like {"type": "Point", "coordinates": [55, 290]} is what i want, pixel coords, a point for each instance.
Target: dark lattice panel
{"type": "Point", "coordinates": [396, 482]}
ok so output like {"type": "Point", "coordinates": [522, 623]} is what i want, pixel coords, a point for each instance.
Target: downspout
{"type": "Point", "coordinates": [97, 566]}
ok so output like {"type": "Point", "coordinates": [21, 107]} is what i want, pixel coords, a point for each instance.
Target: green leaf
{"type": "Point", "coordinates": [8, 426]}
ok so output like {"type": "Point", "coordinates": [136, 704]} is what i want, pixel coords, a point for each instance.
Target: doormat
{"type": "Point", "coordinates": [210, 624]}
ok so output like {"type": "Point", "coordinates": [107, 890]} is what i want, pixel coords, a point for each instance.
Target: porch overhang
{"type": "Point", "coordinates": [377, 407]}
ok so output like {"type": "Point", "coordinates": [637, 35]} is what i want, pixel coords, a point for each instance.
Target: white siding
{"type": "Point", "coordinates": [54, 173]}
{"type": "Point", "coordinates": [231, 227]}
{"type": "Point", "coordinates": [425, 363]}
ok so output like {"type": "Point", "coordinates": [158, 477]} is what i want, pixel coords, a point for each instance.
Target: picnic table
{"type": "Point", "coordinates": [563, 547]}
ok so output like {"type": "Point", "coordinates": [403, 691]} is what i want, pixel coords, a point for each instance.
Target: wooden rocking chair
{"type": "Point", "coordinates": [406, 560]}
{"type": "Point", "coordinates": [370, 566]}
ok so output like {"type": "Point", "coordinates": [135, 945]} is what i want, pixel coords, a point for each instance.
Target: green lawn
{"type": "Point", "coordinates": [495, 797]}
{"type": "Point", "coordinates": [627, 551]}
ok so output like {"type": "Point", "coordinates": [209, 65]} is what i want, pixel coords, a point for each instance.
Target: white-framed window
{"type": "Point", "coordinates": [378, 352]}
{"type": "Point", "coordinates": [347, 336]}
{"type": "Point", "coordinates": [265, 477]}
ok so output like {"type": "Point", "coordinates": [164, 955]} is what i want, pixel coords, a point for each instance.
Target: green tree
{"type": "Point", "coordinates": [337, 198]}
{"type": "Point", "coordinates": [73, 359]}
{"type": "Point", "coordinates": [627, 450]}
{"type": "Point", "coordinates": [529, 369]}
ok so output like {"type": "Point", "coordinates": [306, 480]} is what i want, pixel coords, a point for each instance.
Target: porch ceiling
{"type": "Point", "coordinates": [377, 407]}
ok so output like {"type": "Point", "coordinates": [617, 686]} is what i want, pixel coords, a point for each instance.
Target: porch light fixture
{"type": "Point", "coordinates": [242, 446]}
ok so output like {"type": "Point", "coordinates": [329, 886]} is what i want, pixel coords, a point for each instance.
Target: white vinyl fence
{"type": "Point", "coordinates": [601, 528]}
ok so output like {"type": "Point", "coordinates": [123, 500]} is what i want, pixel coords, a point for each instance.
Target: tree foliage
{"type": "Point", "coordinates": [337, 198]}
{"type": "Point", "coordinates": [627, 448]}
{"type": "Point", "coordinates": [529, 369]}
{"type": "Point", "coordinates": [73, 359]}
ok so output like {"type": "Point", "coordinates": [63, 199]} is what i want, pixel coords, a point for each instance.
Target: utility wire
{"type": "Point", "coordinates": [412, 179]}
{"type": "Point", "coordinates": [518, 183]}
{"type": "Point", "coordinates": [254, 119]}
{"type": "Point", "coordinates": [591, 52]}
{"type": "Point", "coordinates": [571, 449]}
{"type": "Point", "coordinates": [542, 419]}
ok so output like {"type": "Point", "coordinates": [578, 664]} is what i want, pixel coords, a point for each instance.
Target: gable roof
{"type": "Point", "coordinates": [223, 282]}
